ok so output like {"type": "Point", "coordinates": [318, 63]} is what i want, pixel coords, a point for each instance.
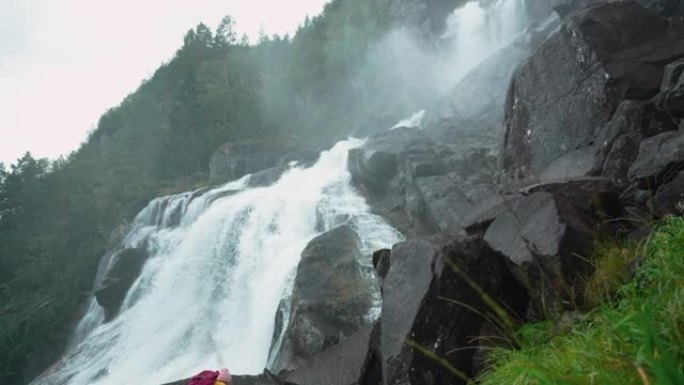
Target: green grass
{"type": "Point", "coordinates": [612, 262]}
{"type": "Point", "coordinates": [634, 336]}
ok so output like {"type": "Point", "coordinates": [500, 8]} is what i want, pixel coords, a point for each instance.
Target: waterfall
{"type": "Point", "coordinates": [479, 28]}
{"type": "Point", "coordinates": [414, 121]}
{"type": "Point", "coordinates": [220, 262]}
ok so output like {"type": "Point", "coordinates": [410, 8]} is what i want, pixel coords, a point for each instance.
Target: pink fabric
{"type": "Point", "coordinates": [224, 376]}
{"type": "Point", "coordinates": [206, 377]}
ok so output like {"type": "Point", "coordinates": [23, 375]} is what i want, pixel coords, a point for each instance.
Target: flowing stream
{"type": "Point", "coordinates": [219, 265]}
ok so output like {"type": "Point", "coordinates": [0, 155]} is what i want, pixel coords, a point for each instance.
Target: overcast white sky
{"type": "Point", "coordinates": [65, 62]}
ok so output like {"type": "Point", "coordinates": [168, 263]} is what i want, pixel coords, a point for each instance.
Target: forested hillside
{"type": "Point", "coordinates": [58, 217]}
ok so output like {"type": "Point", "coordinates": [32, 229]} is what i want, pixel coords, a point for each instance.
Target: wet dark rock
{"type": "Point", "coordinates": [549, 239]}
{"type": "Point", "coordinates": [484, 213]}
{"type": "Point", "coordinates": [618, 142]}
{"type": "Point", "coordinates": [374, 169]}
{"type": "Point", "coordinates": [445, 203]}
{"type": "Point", "coordinates": [582, 188]}
{"type": "Point", "coordinates": [381, 262]}
{"type": "Point", "coordinates": [390, 190]}
{"type": "Point", "coordinates": [562, 99]}
{"type": "Point", "coordinates": [658, 156]}
{"type": "Point", "coordinates": [123, 269]}
{"type": "Point", "coordinates": [671, 96]}
{"type": "Point", "coordinates": [666, 8]}
{"type": "Point", "coordinates": [414, 191]}
{"type": "Point", "coordinates": [372, 373]}
{"type": "Point", "coordinates": [635, 197]}
{"type": "Point", "coordinates": [331, 298]}
{"type": "Point", "coordinates": [420, 310]}
{"type": "Point", "coordinates": [266, 177]}
{"type": "Point", "coordinates": [669, 199]}
{"type": "Point", "coordinates": [587, 193]}
{"type": "Point", "coordinates": [342, 364]}
{"type": "Point", "coordinates": [580, 162]}
{"type": "Point", "coordinates": [234, 160]}
{"type": "Point", "coordinates": [621, 156]}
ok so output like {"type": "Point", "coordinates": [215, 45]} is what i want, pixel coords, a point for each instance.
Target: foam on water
{"type": "Point", "coordinates": [219, 265]}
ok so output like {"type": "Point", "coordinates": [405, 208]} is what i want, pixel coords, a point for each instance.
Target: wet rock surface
{"type": "Point", "coordinates": [234, 160]}
{"type": "Point", "coordinates": [601, 56]}
{"type": "Point", "coordinates": [657, 155]}
{"type": "Point", "coordinates": [123, 269]}
{"type": "Point", "coordinates": [430, 185]}
{"type": "Point", "coordinates": [331, 298]}
{"type": "Point", "coordinates": [421, 311]}
{"type": "Point", "coordinates": [342, 364]}
{"type": "Point", "coordinates": [545, 239]}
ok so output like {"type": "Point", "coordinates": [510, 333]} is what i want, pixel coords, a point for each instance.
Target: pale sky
{"type": "Point", "coordinates": [65, 62]}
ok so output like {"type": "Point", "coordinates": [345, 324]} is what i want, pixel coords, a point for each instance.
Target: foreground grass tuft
{"type": "Point", "coordinates": [633, 337]}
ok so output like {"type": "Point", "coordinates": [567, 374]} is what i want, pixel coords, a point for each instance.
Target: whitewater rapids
{"type": "Point", "coordinates": [207, 296]}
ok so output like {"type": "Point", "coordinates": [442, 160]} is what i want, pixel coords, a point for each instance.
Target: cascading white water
{"type": "Point", "coordinates": [219, 265]}
{"type": "Point", "coordinates": [414, 121]}
{"type": "Point", "coordinates": [480, 28]}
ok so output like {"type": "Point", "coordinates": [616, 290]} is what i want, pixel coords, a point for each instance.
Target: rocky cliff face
{"type": "Point", "coordinates": [605, 64]}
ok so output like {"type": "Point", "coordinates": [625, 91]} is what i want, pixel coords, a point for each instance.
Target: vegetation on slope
{"type": "Point", "coordinates": [635, 336]}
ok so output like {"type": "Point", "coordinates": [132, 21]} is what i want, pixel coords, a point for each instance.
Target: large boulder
{"type": "Point", "coordinates": [382, 170]}
{"type": "Point", "coordinates": [547, 236]}
{"type": "Point", "coordinates": [562, 99]}
{"type": "Point", "coordinates": [422, 186]}
{"type": "Point", "coordinates": [667, 8]}
{"type": "Point", "coordinates": [332, 298]}
{"type": "Point", "coordinates": [345, 363]}
{"type": "Point", "coordinates": [424, 324]}
{"type": "Point", "coordinates": [445, 203]}
{"type": "Point", "coordinates": [590, 194]}
{"type": "Point", "coordinates": [236, 159]}
{"type": "Point", "coordinates": [123, 269]}
{"type": "Point", "coordinates": [671, 96]}
{"type": "Point", "coordinates": [657, 156]}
